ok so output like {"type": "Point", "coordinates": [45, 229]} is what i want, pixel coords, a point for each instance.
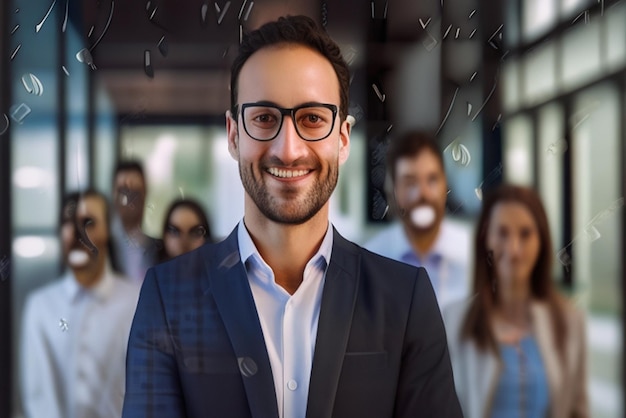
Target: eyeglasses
{"type": "Point", "coordinates": [313, 121]}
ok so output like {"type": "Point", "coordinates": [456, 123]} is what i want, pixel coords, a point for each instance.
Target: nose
{"type": "Point", "coordinates": [288, 146]}
{"type": "Point", "coordinates": [513, 246]}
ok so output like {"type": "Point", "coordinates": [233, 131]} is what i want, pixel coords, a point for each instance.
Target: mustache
{"type": "Point", "coordinates": [275, 161]}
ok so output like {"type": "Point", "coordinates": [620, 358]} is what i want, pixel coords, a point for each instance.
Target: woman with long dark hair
{"type": "Point", "coordinates": [517, 347]}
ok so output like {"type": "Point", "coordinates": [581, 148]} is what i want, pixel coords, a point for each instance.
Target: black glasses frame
{"type": "Point", "coordinates": [289, 112]}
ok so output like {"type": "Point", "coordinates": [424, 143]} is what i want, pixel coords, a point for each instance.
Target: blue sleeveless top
{"type": "Point", "coordinates": [522, 391]}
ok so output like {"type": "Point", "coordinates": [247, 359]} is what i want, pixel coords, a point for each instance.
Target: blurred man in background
{"type": "Point", "coordinates": [134, 251]}
{"type": "Point", "coordinates": [75, 330]}
{"type": "Point", "coordinates": [423, 236]}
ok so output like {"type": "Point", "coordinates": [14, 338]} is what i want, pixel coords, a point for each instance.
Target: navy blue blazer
{"type": "Point", "coordinates": [196, 347]}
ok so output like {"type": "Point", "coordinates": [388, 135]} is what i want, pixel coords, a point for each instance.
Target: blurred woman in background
{"type": "Point", "coordinates": [517, 347]}
{"type": "Point", "coordinates": [186, 228]}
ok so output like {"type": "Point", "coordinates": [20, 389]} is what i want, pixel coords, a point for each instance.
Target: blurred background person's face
{"type": "Point", "coordinates": [84, 236]}
{"type": "Point", "coordinates": [421, 190]}
{"type": "Point", "coordinates": [129, 194]}
{"type": "Point", "coordinates": [513, 238]}
{"type": "Point", "coordinates": [183, 232]}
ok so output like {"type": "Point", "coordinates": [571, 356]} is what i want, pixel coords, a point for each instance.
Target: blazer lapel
{"type": "Point", "coordinates": [228, 282]}
{"type": "Point", "coordinates": [338, 300]}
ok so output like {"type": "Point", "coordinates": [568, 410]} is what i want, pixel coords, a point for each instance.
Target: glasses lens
{"type": "Point", "coordinates": [261, 122]}
{"type": "Point", "coordinates": [314, 122]}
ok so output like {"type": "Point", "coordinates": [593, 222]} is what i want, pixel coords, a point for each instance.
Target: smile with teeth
{"type": "Point", "coordinates": [287, 173]}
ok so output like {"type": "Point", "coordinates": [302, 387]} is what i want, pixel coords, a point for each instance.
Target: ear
{"type": "Point", "coordinates": [232, 133]}
{"type": "Point", "coordinates": [344, 141]}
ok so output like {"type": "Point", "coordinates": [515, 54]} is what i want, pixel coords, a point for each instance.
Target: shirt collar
{"type": "Point", "coordinates": [247, 248]}
{"type": "Point", "coordinates": [101, 290]}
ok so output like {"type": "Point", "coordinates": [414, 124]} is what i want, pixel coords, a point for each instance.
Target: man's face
{"type": "Point", "coordinates": [129, 194]}
{"type": "Point", "coordinates": [421, 190]}
{"type": "Point", "coordinates": [288, 179]}
{"type": "Point", "coordinates": [84, 233]}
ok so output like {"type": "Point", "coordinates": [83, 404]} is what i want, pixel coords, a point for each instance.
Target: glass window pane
{"type": "Point", "coordinates": [538, 17]}
{"type": "Point", "coordinates": [552, 147]}
{"type": "Point", "coordinates": [540, 74]}
{"type": "Point", "coordinates": [581, 54]}
{"type": "Point", "coordinates": [518, 151]}
{"type": "Point", "coordinates": [616, 36]}
{"type": "Point", "coordinates": [597, 254]}
{"type": "Point", "coordinates": [510, 85]}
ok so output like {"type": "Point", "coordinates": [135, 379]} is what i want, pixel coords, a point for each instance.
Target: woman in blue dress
{"type": "Point", "coordinates": [517, 346]}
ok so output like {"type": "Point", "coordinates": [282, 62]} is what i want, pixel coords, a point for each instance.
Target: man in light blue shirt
{"type": "Point", "coordinates": [423, 236]}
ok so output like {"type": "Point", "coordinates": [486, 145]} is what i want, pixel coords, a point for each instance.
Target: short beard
{"type": "Point", "coordinates": [312, 203]}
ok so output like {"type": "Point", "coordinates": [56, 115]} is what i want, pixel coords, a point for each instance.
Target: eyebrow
{"type": "Point", "coordinates": [270, 103]}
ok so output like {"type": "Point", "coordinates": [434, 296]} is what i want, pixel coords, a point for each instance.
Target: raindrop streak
{"type": "Point", "coordinates": [424, 24]}
{"type": "Point", "coordinates": [473, 33]}
{"type": "Point", "coordinates": [469, 108]}
{"type": "Point", "coordinates": [243, 5]}
{"type": "Point", "coordinates": [153, 11]}
{"type": "Point", "coordinates": [106, 27]}
{"type": "Point", "coordinates": [223, 12]}
{"type": "Point", "coordinates": [6, 128]}
{"type": "Point", "coordinates": [472, 14]}
{"type": "Point", "coordinates": [40, 24]}
{"type": "Point", "coordinates": [163, 46]}
{"type": "Point", "coordinates": [473, 76]}
{"type": "Point", "coordinates": [15, 52]}
{"type": "Point", "coordinates": [490, 40]}
{"type": "Point", "coordinates": [182, 194]}
{"type": "Point", "coordinates": [245, 17]}
{"type": "Point", "coordinates": [147, 64]}
{"type": "Point", "coordinates": [19, 112]}
{"type": "Point", "coordinates": [493, 89]}
{"type": "Point", "coordinates": [381, 96]}
{"type": "Point", "coordinates": [15, 29]}
{"type": "Point", "coordinates": [447, 31]}
{"type": "Point", "coordinates": [90, 31]}
{"type": "Point", "coordinates": [203, 11]}
{"type": "Point", "coordinates": [67, 4]}
{"type": "Point", "coordinates": [65, 70]}
{"type": "Point", "coordinates": [443, 122]}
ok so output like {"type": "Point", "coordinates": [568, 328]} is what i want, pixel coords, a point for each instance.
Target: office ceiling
{"type": "Point", "coordinates": [172, 58]}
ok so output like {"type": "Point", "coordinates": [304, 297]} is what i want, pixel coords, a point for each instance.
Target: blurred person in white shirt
{"type": "Point", "coordinates": [422, 235]}
{"type": "Point", "coordinates": [75, 329]}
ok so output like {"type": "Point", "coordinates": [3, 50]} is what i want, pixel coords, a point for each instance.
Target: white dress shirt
{"type": "Point", "coordinates": [289, 322]}
{"type": "Point", "coordinates": [73, 348]}
{"type": "Point", "coordinates": [448, 263]}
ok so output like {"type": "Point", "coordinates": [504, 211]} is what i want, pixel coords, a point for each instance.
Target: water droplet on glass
{"type": "Point", "coordinates": [163, 46]}
{"type": "Point", "coordinates": [461, 154]}
{"type": "Point", "coordinates": [19, 112]}
{"type": "Point", "coordinates": [147, 64]}
{"type": "Point", "coordinates": [32, 84]}
{"type": "Point", "coordinates": [63, 324]}
{"type": "Point", "coordinates": [6, 127]}
{"type": "Point", "coordinates": [247, 366]}
{"type": "Point", "coordinates": [84, 55]}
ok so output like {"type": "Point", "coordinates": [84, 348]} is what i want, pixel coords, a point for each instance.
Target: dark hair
{"type": "Point", "coordinates": [301, 30]}
{"type": "Point", "coordinates": [410, 144]}
{"type": "Point", "coordinates": [72, 199]}
{"type": "Point", "coordinates": [129, 165]}
{"type": "Point", "coordinates": [477, 323]}
{"type": "Point", "coordinates": [195, 208]}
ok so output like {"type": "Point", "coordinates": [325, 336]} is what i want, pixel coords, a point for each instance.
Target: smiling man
{"type": "Point", "coordinates": [285, 318]}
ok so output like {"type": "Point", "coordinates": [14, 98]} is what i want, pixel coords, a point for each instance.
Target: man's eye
{"type": "Point", "coordinates": [173, 230]}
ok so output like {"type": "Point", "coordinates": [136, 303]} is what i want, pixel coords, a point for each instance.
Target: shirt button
{"type": "Point", "coordinates": [292, 385]}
